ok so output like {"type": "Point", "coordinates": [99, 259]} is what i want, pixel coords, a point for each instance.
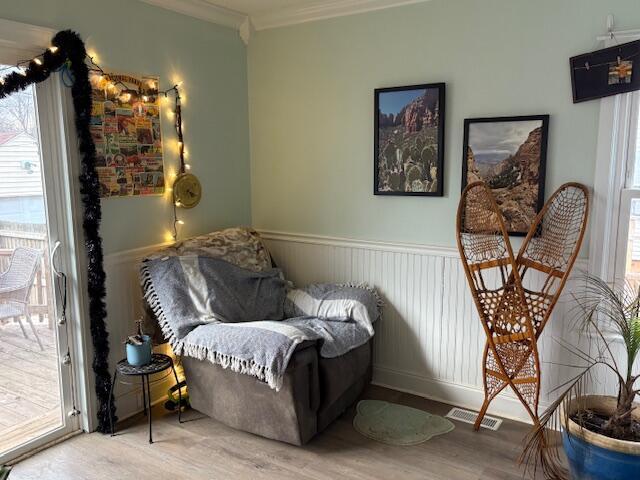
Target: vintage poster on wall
{"type": "Point", "coordinates": [125, 125]}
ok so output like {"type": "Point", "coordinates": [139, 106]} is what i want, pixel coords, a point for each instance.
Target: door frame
{"type": "Point", "coordinates": [59, 145]}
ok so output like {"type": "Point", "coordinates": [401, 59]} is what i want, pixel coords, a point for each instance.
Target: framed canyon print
{"type": "Point", "coordinates": [409, 140]}
{"type": "Point", "coordinates": [509, 154]}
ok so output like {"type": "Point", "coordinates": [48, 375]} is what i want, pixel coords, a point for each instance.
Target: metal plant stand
{"type": "Point", "coordinates": [159, 363]}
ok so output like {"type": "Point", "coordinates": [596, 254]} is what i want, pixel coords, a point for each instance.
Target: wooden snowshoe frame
{"type": "Point", "coordinates": [515, 296]}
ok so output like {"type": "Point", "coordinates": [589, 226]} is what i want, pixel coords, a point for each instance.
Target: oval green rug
{"type": "Point", "coordinates": [396, 424]}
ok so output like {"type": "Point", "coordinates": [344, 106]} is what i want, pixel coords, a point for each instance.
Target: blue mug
{"type": "Point", "coordinates": [139, 355]}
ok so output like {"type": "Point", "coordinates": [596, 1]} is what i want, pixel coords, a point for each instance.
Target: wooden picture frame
{"type": "Point", "coordinates": [409, 140]}
{"type": "Point", "coordinates": [510, 156]}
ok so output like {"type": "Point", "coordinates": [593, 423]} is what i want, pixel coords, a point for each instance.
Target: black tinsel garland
{"type": "Point", "coordinates": [70, 48]}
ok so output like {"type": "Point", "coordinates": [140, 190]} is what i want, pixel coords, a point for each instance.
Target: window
{"type": "Point", "coordinates": [628, 249]}
{"type": "Point", "coordinates": [614, 243]}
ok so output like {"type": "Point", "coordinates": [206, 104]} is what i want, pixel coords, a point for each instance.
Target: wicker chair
{"type": "Point", "coordinates": [513, 315]}
{"type": "Point", "coordinates": [15, 287]}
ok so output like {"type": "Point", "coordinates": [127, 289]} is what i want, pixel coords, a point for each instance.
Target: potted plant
{"type": "Point", "coordinates": [600, 434]}
{"type": "Point", "coordinates": [138, 347]}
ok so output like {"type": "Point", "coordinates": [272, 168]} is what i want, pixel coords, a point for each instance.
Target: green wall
{"type": "Point", "coordinates": [131, 36]}
{"type": "Point", "coordinates": [311, 105]}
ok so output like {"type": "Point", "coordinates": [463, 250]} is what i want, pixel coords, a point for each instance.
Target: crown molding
{"type": "Point", "coordinates": [322, 10]}
{"type": "Point", "coordinates": [204, 10]}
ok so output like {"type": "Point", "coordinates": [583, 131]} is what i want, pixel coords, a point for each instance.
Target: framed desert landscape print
{"type": "Point", "coordinates": [509, 155]}
{"type": "Point", "coordinates": [409, 140]}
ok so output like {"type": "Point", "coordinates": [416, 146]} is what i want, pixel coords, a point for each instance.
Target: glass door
{"type": "Point", "coordinates": [36, 361]}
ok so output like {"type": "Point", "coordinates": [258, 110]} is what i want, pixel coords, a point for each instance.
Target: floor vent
{"type": "Point", "coordinates": [467, 416]}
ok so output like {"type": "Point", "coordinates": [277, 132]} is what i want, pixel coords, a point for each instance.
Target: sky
{"type": "Point", "coordinates": [393, 102]}
{"type": "Point", "coordinates": [497, 140]}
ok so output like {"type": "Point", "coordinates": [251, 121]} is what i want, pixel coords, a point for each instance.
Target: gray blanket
{"type": "Point", "coordinates": [195, 298]}
{"type": "Point", "coordinates": [188, 291]}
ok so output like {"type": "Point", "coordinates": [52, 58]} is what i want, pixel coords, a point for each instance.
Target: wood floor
{"type": "Point", "coordinates": [202, 448]}
{"type": "Point", "coordinates": [29, 391]}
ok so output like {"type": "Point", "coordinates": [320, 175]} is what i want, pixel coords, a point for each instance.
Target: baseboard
{"type": "Point", "coordinates": [464, 396]}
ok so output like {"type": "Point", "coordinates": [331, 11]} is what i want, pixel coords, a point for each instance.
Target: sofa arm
{"type": "Point", "coordinates": [304, 367]}
{"type": "Point", "coordinates": [246, 403]}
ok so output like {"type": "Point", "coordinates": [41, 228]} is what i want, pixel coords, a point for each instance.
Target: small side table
{"type": "Point", "coordinates": [159, 362]}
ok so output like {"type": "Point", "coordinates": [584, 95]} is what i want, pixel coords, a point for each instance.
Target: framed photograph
{"type": "Point", "coordinates": [409, 140]}
{"type": "Point", "coordinates": [605, 72]}
{"type": "Point", "coordinates": [509, 154]}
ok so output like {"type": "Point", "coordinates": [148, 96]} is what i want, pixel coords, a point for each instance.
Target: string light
{"type": "Point", "coordinates": [177, 113]}
{"type": "Point", "coordinates": [168, 236]}
{"type": "Point", "coordinates": [20, 66]}
{"type": "Point", "coordinates": [108, 84]}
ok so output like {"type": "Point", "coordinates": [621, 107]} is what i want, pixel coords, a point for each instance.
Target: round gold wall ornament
{"type": "Point", "coordinates": [187, 191]}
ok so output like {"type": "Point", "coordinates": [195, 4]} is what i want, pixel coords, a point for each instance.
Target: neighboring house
{"type": "Point", "coordinates": [20, 179]}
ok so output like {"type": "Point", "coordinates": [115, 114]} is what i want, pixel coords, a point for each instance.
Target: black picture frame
{"type": "Point", "coordinates": [590, 72]}
{"type": "Point", "coordinates": [542, 167]}
{"type": "Point", "coordinates": [439, 157]}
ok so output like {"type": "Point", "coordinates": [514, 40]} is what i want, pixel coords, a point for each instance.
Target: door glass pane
{"type": "Point", "coordinates": [30, 399]}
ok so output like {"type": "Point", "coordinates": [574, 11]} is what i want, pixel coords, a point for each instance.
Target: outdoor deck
{"type": "Point", "coordinates": [29, 393]}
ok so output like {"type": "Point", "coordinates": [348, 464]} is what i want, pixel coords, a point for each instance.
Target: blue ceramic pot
{"type": "Point", "coordinates": [139, 355]}
{"type": "Point", "coordinates": [596, 457]}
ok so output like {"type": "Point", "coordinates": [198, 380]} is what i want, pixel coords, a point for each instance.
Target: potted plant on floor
{"type": "Point", "coordinates": [600, 434]}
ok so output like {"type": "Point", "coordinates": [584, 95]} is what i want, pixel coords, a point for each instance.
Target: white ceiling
{"type": "Point", "coordinates": [261, 14]}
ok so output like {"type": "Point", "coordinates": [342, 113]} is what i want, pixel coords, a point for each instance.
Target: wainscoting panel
{"type": "Point", "coordinates": [430, 340]}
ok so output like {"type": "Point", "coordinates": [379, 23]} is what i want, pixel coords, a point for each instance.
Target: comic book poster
{"type": "Point", "coordinates": [125, 126]}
